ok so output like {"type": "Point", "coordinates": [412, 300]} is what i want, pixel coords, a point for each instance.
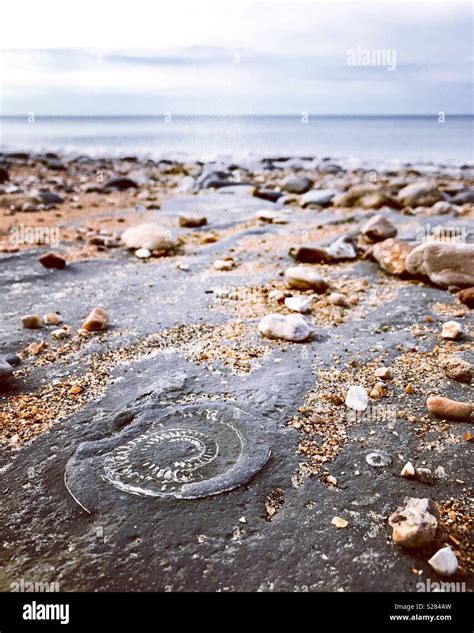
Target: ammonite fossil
{"type": "Point", "coordinates": [186, 452]}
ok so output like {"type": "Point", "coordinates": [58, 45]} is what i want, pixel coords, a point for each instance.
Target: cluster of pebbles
{"type": "Point", "coordinates": [96, 203]}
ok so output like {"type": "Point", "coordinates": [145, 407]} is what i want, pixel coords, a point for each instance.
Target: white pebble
{"type": "Point", "coordinates": [452, 330]}
{"type": "Point", "coordinates": [357, 398]}
{"type": "Point", "coordinates": [143, 253]}
{"type": "Point", "coordinates": [444, 562]}
{"type": "Point", "coordinates": [294, 327]}
{"type": "Point", "coordinates": [299, 304]}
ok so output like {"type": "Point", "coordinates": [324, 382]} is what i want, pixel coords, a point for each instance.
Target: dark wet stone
{"type": "Point", "coordinates": [297, 184]}
{"type": "Point", "coordinates": [466, 296]}
{"type": "Point", "coordinates": [6, 371]}
{"type": "Point", "coordinates": [268, 194]}
{"type": "Point", "coordinates": [4, 176]}
{"type": "Point", "coordinates": [52, 260]}
{"type": "Point", "coordinates": [12, 359]}
{"type": "Point", "coordinates": [121, 183]}
{"type": "Point", "coordinates": [55, 165]}
{"type": "Point", "coordinates": [330, 168]}
{"type": "Point", "coordinates": [340, 250]}
{"type": "Point", "coordinates": [464, 197]}
{"type": "Point", "coordinates": [49, 197]}
{"type": "Point", "coordinates": [19, 155]}
{"type": "Point", "coordinates": [213, 179]}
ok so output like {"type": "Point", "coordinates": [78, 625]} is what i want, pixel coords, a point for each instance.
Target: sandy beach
{"type": "Point", "coordinates": [299, 303]}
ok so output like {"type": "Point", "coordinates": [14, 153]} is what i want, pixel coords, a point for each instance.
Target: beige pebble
{"type": "Point", "coordinates": [339, 523]}
{"type": "Point", "coordinates": [452, 330]}
{"type": "Point", "coordinates": [408, 470]}
{"type": "Point", "coordinates": [223, 264]}
{"type": "Point", "coordinates": [97, 320]}
{"type": "Point", "coordinates": [383, 372]}
{"type": "Point", "coordinates": [51, 318]}
{"type": "Point", "coordinates": [458, 369]}
{"type": "Point", "coordinates": [31, 321]}
{"type": "Point", "coordinates": [60, 333]}
{"type": "Point", "coordinates": [450, 409]}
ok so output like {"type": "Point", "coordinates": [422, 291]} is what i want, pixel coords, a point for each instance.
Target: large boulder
{"type": "Point", "coordinates": [444, 263]}
{"type": "Point", "coordinates": [391, 255]}
{"type": "Point", "coordinates": [366, 196]}
{"type": "Point", "coordinates": [423, 193]}
{"type": "Point", "coordinates": [148, 235]}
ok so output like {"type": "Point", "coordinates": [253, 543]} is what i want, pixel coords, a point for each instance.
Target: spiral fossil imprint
{"type": "Point", "coordinates": [167, 458]}
{"type": "Point", "coordinates": [187, 452]}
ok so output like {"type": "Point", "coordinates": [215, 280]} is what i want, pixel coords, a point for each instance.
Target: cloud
{"type": "Point", "coordinates": [259, 57]}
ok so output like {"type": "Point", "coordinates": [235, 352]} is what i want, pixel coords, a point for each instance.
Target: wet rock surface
{"type": "Point", "coordinates": [84, 418]}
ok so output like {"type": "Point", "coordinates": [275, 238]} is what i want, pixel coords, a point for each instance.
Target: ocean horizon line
{"type": "Point", "coordinates": [231, 116]}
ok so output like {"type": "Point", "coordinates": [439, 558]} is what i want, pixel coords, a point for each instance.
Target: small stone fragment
{"type": "Point", "coordinates": [294, 327]}
{"type": "Point", "coordinates": [466, 296]}
{"type": "Point", "coordinates": [424, 475]}
{"type": "Point", "coordinates": [148, 235]}
{"type": "Point", "coordinates": [339, 523]}
{"type": "Point", "coordinates": [448, 409]}
{"type": "Point", "coordinates": [383, 372]}
{"type": "Point", "coordinates": [378, 459]}
{"type": "Point", "coordinates": [378, 228]}
{"type": "Point", "coordinates": [191, 220]}
{"type": "Point", "coordinates": [52, 260]}
{"type": "Point", "coordinates": [357, 398]}
{"type": "Point", "coordinates": [304, 278]}
{"type": "Point", "coordinates": [36, 348]}
{"type": "Point", "coordinates": [444, 562]}
{"type": "Point", "coordinates": [223, 264]}
{"type": "Point", "coordinates": [409, 389]}
{"type": "Point", "coordinates": [452, 330]}
{"type": "Point", "coordinates": [458, 369]}
{"type": "Point", "coordinates": [143, 253]}
{"type": "Point", "coordinates": [52, 318]}
{"type": "Point", "coordinates": [415, 523]}
{"type": "Point", "coordinates": [60, 333]}
{"type": "Point", "coordinates": [31, 321]}
{"type": "Point", "coordinates": [96, 321]}
{"type": "Point", "coordinates": [408, 471]}
{"type": "Point", "coordinates": [299, 304]}
{"type": "Point", "coordinates": [6, 371]}
{"type": "Point", "coordinates": [75, 389]}
{"type": "Point", "coordinates": [276, 295]}
{"type": "Point", "coordinates": [338, 299]}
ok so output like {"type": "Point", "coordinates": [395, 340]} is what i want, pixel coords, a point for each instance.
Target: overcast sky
{"type": "Point", "coordinates": [235, 58]}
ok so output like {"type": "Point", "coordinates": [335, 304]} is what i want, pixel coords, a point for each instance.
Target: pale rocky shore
{"type": "Point", "coordinates": [226, 377]}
